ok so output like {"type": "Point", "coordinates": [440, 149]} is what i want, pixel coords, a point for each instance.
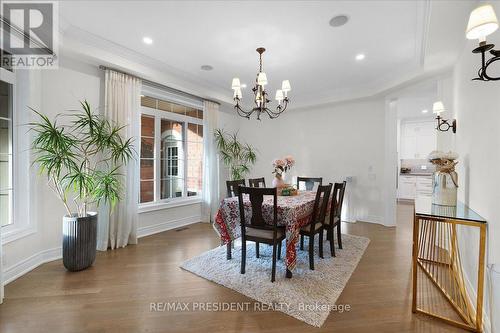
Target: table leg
{"type": "Point", "coordinates": [228, 250]}
{"type": "Point", "coordinates": [288, 273]}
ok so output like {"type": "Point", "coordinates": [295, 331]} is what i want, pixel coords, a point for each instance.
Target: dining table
{"type": "Point", "coordinates": [294, 212]}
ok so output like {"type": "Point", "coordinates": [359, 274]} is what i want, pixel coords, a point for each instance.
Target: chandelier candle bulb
{"type": "Point", "coordinates": [285, 86]}
{"type": "Point", "coordinates": [236, 83]}
{"type": "Point", "coordinates": [262, 79]}
{"type": "Point", "coordinates": [237, 93]}
{"type": "Point", "coordinates": [279, 95]}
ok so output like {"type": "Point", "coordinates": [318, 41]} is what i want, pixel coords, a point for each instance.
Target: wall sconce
{"type": "Point", "coordinates": [443, 125]}
{"type": "Point", "coordinates": [483, 22]}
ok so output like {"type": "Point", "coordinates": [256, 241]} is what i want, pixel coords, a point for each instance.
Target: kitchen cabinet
{"type": "Point", "coordinates": [424, 145]}
{"type": "Point", "coordinates": [418, 139]}
{"type": "Point", "coordinates": [409, 187]}
{"type": "Point", "coordinates": [408, 147]}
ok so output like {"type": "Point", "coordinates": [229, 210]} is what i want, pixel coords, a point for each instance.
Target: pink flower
{"type": "Point", "coordinates": [279, 163]}
{"type": "Point", "coordinates": [290, 161]}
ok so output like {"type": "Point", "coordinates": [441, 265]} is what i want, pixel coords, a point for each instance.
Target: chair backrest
{"type": "Point", "coordinates": [232, 187]}
{"type": "Point", "coordinates": [337, 200]}
{"type": "Point", "coordinates": [257, 182]}
{"type": "Point", "coordinates": [321, 204]}
{"type": "Point", "coordinates": [256, 196]}
{"type": "Point", "coordinates": [310, 181]}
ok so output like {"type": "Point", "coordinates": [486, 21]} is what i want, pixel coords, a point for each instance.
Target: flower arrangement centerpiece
{"type": "Point", "coordinates": [445, 179]}
{"type": "Point", "coordinates": [281, 166]}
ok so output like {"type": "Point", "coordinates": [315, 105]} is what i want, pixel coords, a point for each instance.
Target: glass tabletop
{"type": "Point", "coordinates": [425, 207]}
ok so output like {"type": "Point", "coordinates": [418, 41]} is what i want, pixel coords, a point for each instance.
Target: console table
{"type": "Point", "coordinates": [440, 288]}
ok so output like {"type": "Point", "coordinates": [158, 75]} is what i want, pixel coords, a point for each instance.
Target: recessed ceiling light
{"type": "Point", "coordinates": [243, 85]}
{"type": "Point", "coordinates": [360, 56]}
{"type": "Point", "coordinates": [339, 20]}
{"type": "Point", "coordinates": [425, 111]}
{"type": "Point", "coordinates": [206, 68]}
{"type": "Point", "coordinates": [147, 40]}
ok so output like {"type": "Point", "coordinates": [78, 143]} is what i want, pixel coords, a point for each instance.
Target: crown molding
{"type": "Point", "coordinates": [423, 25]}
{"type": "Point", "coordinates": [389, 92]}
{"type": "Point", "coordinates": [78, 43]}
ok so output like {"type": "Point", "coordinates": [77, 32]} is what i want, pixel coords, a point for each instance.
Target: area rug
{"type": "Point", "coordinates": [308, 296]}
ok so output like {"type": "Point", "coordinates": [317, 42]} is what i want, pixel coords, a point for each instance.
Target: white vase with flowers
{"type": "Point", "coordinates": [281, 166]}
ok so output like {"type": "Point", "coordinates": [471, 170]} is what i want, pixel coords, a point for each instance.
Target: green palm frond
{"type": "Point", "coordinates": [238, 157]}
{"type": "Point", "coordinates": [82, 158]}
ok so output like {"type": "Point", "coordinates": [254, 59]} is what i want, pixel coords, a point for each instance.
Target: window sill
{"type": "Point", "coordinates": [149, 207]}
{"type": "Point", "coordinates": [12, 234]}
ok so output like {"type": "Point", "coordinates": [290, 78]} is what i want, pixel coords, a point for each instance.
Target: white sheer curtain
{"type": "Point", "coordinates": [210, 165]}
{"type": "Point", "coordinates": [122, 106]}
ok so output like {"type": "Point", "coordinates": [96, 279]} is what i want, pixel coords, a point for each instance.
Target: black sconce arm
{"type": "Point", "coordinates": [481, 73]}
{"type": "Point", "coordinates": [443, 125]}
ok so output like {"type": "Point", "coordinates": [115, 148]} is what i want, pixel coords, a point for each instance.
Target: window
{"type": "Point", "coordinates": [6, 101]}
{"type": "Point", "coordinates": [173, 161]}
{"type": "Point", "coordinates": [16, 175]}
{"type": "Point", "coordinates": [171, 150]}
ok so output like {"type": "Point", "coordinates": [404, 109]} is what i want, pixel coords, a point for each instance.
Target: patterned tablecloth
{"type": "Point", "coordinates": [293, 212]}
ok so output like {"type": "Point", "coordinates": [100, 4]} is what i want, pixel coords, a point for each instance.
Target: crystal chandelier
{"type": "Point", "coordinates": [260, 95]}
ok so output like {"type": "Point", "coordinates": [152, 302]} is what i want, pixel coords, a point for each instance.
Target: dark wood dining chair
{"type": "Point", "coordinates": [310, 181]}
{"type": "Point", "coordinates": [258, 230]}
{"type": "Point", "coordinates": [232, 187]}
{"type": "Point", "coordinates": [257, 182]}
{"type": "Point", "coordinates": [317, 221]}
{"type": "Point", "coordinates": [334, 221]}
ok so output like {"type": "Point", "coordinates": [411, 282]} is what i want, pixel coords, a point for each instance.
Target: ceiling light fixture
{"type": "Point", "coordinates": [147, 40]}
{"type": "Point", "coordinates": [425, 111]}
{"type": "Point", "coordinates": [206, 68]}
{"type": "Point", "coordinates": [339, 20]}
{"type": "Point", "coordinates": [483, 22]}
{"type": "Point", "coordinates": [442, 124]}
{"type": "Point", "coordinates": [360, 56]}
{"type": "Point", "coordinates": [243, 85]}
{"type": "Point", "coordinates": [260, 94]}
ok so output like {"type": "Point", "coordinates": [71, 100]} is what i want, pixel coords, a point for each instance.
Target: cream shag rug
{"type": "Point", "coordinates": [308, 296]}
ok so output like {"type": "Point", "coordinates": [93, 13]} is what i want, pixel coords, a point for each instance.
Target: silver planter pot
{"type": "Point", "coordinates": [79, 241]}
{"type": "Point", "coordinates": [444, 191]}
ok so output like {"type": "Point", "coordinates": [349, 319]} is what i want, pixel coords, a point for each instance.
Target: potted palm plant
{"type": "Point", "coordinates": [237, 156]}
{"type": "Point", "coordinates": [82, 162]}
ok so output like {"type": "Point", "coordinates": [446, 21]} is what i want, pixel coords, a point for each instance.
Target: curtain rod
{"type": "Point", "coordinates": [159, 85]}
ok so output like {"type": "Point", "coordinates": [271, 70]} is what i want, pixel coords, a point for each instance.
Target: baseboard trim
{"type": "Point", "coordinates": [26, 265]}
{"type": "Point", "coordinates": [168, 225]}
{"type": "Point", "coordinates": [373, 219]}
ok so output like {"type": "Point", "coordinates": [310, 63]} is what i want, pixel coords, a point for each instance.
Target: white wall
{"type": "Point", "coordinates": [476, 106]}
{"type": "Point", "coordinates": [333, 142]}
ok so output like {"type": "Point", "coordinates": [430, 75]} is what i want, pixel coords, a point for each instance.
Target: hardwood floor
{"type": "Point", "coordinates": [115, 294]}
